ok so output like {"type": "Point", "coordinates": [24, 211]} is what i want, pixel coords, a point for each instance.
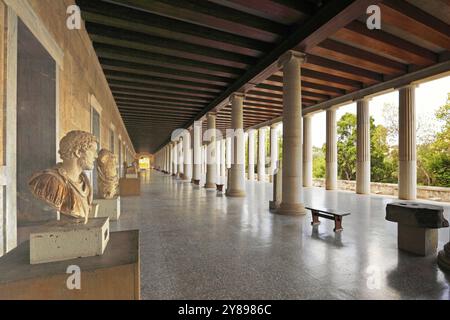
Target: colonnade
{"type": "Point", "coordinates": [213, 156]}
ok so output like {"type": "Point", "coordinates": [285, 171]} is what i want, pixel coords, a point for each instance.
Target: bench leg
{"type": "Point", "coordinates": [315, 217]}
{"type": "Point", "coordinates": [337, 224]}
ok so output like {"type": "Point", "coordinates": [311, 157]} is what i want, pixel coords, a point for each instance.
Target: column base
{"type": "Point", "coordinates": [291, 209]}
{"type": "Point", "coordinates": [235, 193]}
{"type": "Point", "coordinates": [210, 186]}
{"type": "Point", "coordinates": [444, 258]}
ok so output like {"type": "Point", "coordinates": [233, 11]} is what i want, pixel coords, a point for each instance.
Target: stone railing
{"type": "Point", "coordinates": [423, 192]}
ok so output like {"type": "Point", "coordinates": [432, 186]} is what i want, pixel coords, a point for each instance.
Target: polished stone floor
{"type": "Point", "coordinates": [196, 244]}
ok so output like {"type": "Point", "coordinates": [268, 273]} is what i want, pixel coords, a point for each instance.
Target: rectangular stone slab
{"type": "Point", "coordinates": [115, 275]}
{"type": "Point", "coordinates": [416, 214]}
{"type": "Point", "coordinates": [108, 208]}
{"type": "Point", "coordinates": [129, 187]}
{"type": "Point", "coordinates": [65, 240]}
{"type": "Point", "coordinates": [420, 241]}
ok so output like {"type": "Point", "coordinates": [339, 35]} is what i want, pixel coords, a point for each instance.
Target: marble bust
{"type": "Point", "coordinates": [66, 187]}
{"type": "Point", "coordinates": [108, 179]}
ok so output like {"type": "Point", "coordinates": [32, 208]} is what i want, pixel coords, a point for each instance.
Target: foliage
{"type": "Point", "coordinates": [433, 149]}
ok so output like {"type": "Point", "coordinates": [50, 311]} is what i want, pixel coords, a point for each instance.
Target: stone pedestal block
{"type": "Point", "coordinates": [420, 241]}
{"type": "Point", "coordinates": [65, 240]}
{"type": "Point", "coordinates": [418, 225]}
{"type": "Point", "coordinates": [108, 208]}
{"type": "Point", "coordinates": [113, 276]}
{"type": "Point", "coordinates": [130, 187]}
{"type": "Point", "coordinates": [277, 182]}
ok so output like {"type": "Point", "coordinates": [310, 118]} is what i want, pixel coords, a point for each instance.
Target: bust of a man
{"type": "Point", "coordinates": [66, 187]}
{"type": "Point", "coordinates": [108, 180]}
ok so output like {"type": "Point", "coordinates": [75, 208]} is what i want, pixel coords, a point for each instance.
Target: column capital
{"type": "Point", "coordinates": [289, 55]}
{"type": "Point", "coordinates": [212, 114]}
{"type": "Point", "coordinates": [236, 95]}
{"type": "Point", "coordinates": [362, 99]}
{"type": "Point", "coordinates": [407, 86]}
{"type": "Point", "coordinates": [275, 125]}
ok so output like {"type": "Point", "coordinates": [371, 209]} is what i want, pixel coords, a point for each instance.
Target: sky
{"type": "Point", "coordinates": [429, 97]}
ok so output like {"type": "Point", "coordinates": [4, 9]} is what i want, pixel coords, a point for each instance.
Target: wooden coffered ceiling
{"type": "Point", "coordinates": [169, 62]}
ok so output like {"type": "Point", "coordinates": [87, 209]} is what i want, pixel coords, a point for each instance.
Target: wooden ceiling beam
{"type": "Point", "coordinates": [141, 21]}
{"type": "Point", "coordinates": [215, 16]}
{"type": "Point", "coordinates": [407, 17]}
{"type": "Point", "coordinates": [131, 98]}
{"type": "Point", "coordinates": [145, 42]}
{"type": "Point", "coordinates": [116, 75]}
{"type": "Point", "coordinates": [387, 44]}
{"type": "Point", "coordinates": [344, 53]}
{"type": "Point", "coordinates": [155, 94]}
{"type": "Point", "coordinates": [161, 60]}
{"type": "Point", "coordinates": [138, 68]}
{"type": "Point", "coordinates": [158, 88]}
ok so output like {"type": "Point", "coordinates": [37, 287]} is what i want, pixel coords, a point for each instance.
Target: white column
{"type": "Point", "coordinates": [222, 158]}
{"type": "Point", "coordinates": [237, 174]}
{"type": "Point", "coordinates": [262, 154]}
{"type": "Point", "coordinates": [187, 157]}
{"type": "Point", "coordinates": [218, 157]}
{"type": "Point", "coordinates": [211, 167]}
{"type": "Point", "coordinates": [205, 159]}
{"type": "Point", "coordinates": [180, 158]}
{"type": "Point", "coordinates": [407, 180]}
{"type": "Point", "coordinates": [331, 152]}
{"type": "Point", "coordinates": [166, 160]}
{"type": "Point", "coordinates": [292, 134]}
{"type": "Point", "coordinates": [170, 158]}
{"type": "Point", "coordinates": [175, 158]}
{"type": "Point", "coordinates": [362, 147]}
{"type": "Point", "coordinates": [197, 152]}
{"type": "Point", "coordinates": [228, 147]}
{"type": "Point", "coordinates": [307, 152]}
{"type": "Point", "coordinates": [251, 154]}
{"type": "Point", "coordinates": [273, 148]}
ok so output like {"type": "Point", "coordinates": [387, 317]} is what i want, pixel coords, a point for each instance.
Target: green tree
{"type": "Point", "coordinates": [437, 159]}
{"type": "Point", "coordinates": [319, 162]}
{"type": "Point", "coordinates": [383, 161]}
{"type": "Point", "coordinates": [346, 144]}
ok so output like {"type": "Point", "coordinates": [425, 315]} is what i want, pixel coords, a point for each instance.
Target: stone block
{"type": "Point", "coordinates": [277, 181]}
{"type": "Point", "coordinates": [113, 276]}
{"type": "Point", "coordinates": [420, 241]}
{"type": "Point", "coordinates": [64, 240]}
{"type": "Point", "coordinates": [130, 187]}
{"type": "Point", "coordinates": [416, 214]}
{"type": "Point", "coordinates": [108, 208]}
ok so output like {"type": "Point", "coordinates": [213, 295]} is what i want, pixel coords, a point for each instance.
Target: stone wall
{"type": "Point", "coordinates": [80, 77]}
{"type": "Point", "coordinates": [429, 193]}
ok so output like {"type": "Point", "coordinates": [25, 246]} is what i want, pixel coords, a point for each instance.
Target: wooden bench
{"type": "Point", "coordinates": [330, 214]}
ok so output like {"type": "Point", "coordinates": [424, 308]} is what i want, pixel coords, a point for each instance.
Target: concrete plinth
{"type": "Point", "coordinates": [275, 203]}
{"type": "Point", "coordinates": [65, 240]}
{"type": "Point", "coordinates": [108, 208]}
{"type": "Point", "coordinates": [420, 241]}
{"type": "Point", "coordinates": [113, 276]}
{"type": "Point", "coordinates": [129, 187]}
